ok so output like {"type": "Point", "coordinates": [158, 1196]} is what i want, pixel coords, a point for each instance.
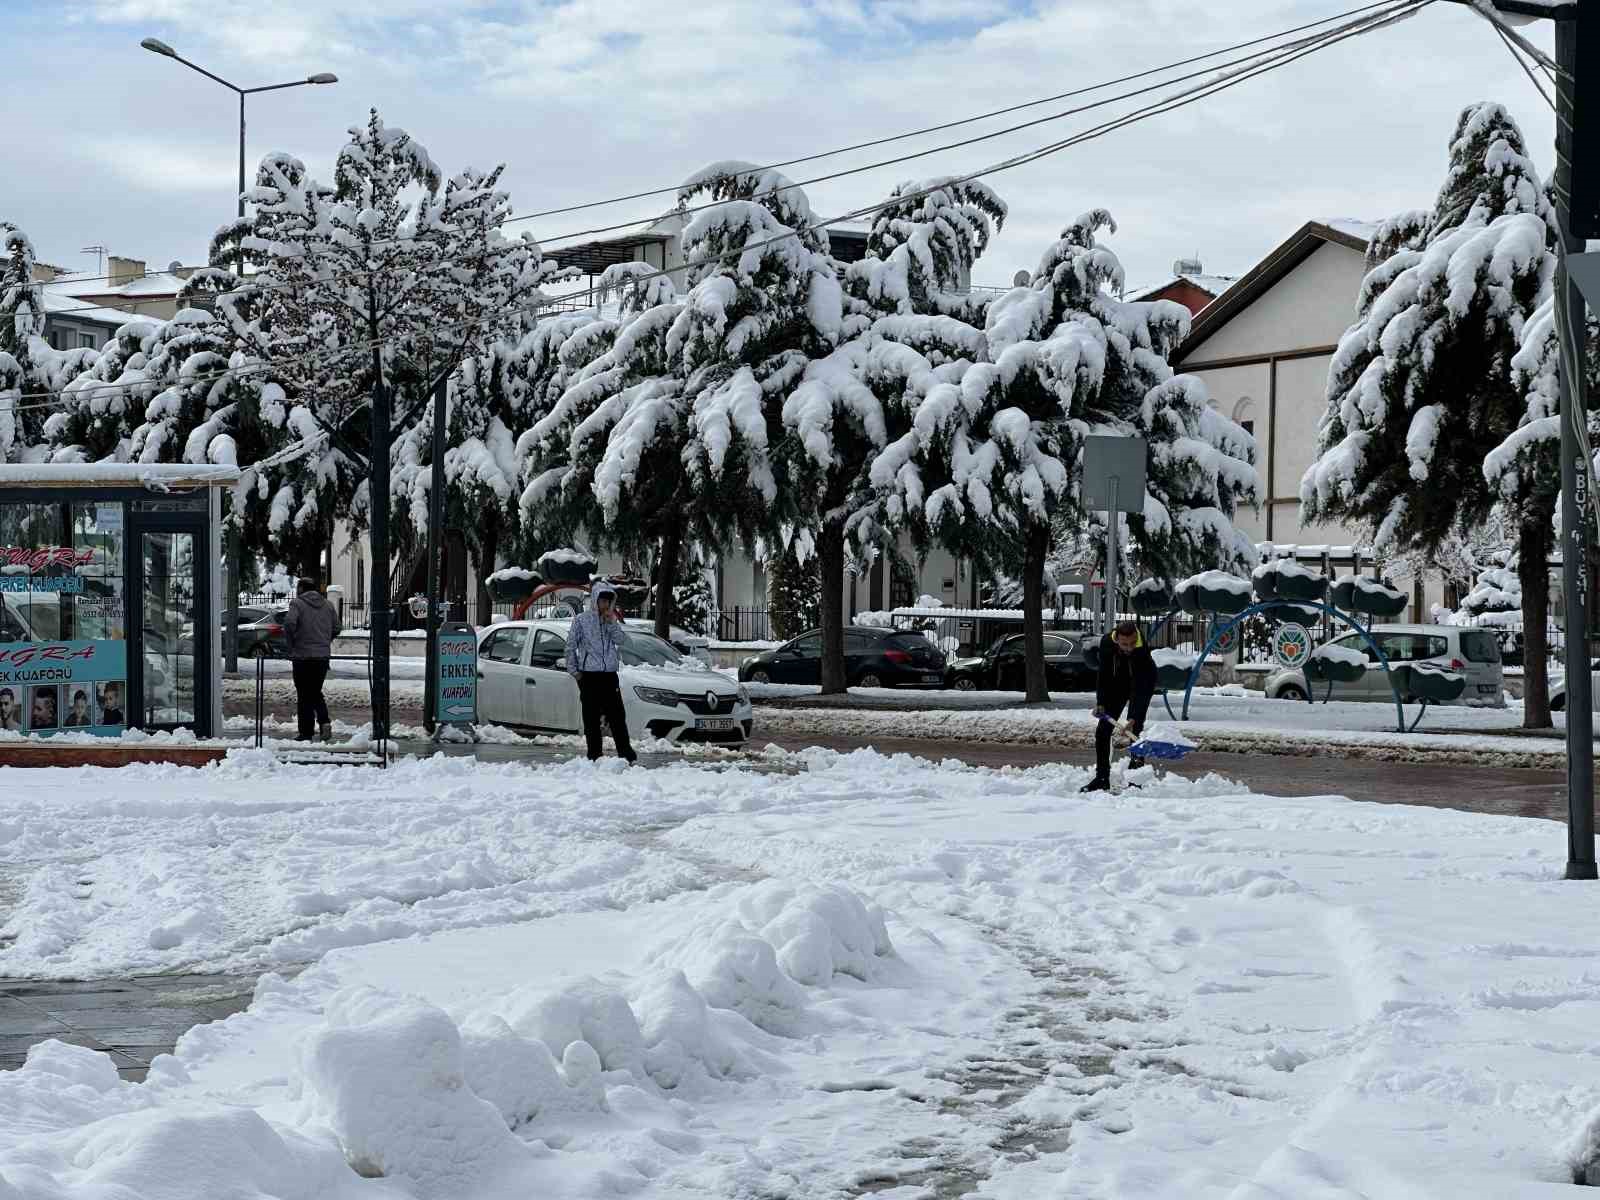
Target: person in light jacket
{"type": "Point", "coordinates": [594, 655]}
{"type": "Point", "coordinates": [310, 626]}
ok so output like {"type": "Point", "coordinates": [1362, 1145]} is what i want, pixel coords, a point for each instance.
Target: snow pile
{"type": "Point", "coordinates": [1341, 654]}
{"type": "Point", "coordinates": [1182, 659]}
{"type": "Point", "coordinates": [521, 574]}
{"type": "Point", "coordinates": [387, 1077]}
{"type": "Point", "coordinates": [1217, 581]}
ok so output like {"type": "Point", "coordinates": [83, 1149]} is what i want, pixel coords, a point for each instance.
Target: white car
{"type": "Point", "coordinates": [690, 645]}
{"type": "Point", "coordinates": [1558, 686]}
{"type": "Point", "coordinates": [1475, 653]}
{"type": "Point", "coordinates": [523, 683]}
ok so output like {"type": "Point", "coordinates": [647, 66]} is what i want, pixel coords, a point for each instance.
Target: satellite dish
{"type": "Point", "coordinates": [1022, 279]}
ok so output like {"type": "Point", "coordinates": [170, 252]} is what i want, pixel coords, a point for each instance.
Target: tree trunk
{"type": "Point", "coordinates": [1533, 553]}
{"type": "Point", "coordinates": [666, 578]}
{"type": "Point", "coordinates": [830, 563]}
{"type": "Point", "coordinates": [483, 567]}
{"type": "Point", "coordinates": [1034, 550]}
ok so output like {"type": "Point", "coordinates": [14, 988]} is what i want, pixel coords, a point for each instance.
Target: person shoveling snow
{"type": "Point", "coordinates": [1127, 680]}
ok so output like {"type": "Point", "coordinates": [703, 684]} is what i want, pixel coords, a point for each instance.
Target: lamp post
{"type": "Point", "coordinates": [156, 46]}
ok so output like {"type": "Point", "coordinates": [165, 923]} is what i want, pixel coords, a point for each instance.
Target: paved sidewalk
{"type": "Point", "coordinates": [132, 1019]}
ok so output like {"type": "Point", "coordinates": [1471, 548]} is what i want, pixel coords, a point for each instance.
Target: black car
{"type": "Point", "coordinates": [873, 657]}
{"type": "Point", "coordinates": [1001, 668]}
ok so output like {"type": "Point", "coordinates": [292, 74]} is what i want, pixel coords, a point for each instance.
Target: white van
{"type": "Point", "coordinates": [1474, 653]}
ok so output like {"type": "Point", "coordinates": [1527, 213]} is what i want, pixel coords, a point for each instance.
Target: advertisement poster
{"type": "Point", "coordinates": [64, 687]}
{"type": "Point", "coordinates": [457, 685]}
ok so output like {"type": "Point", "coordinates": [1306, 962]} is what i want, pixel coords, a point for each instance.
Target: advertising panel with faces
{"type": "Point", "coordinates": [63, 650]}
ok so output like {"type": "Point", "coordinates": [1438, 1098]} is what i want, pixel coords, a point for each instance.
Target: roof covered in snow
{"type": "Point", "coordinates": [1260, 279]}
{"type": "Point", "coordinates": [151, 285]}
{"type": "Point", "coordinates": [1211, 285]}
{"type": "Point", "coordinates": [157, 477]}
{"type": "Point", "coordinates": [66, 306]}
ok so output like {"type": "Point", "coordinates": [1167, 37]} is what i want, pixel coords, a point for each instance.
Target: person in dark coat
{"type": "Point", "coordinates": [310, 626]}
{"type": "Point", "coordinates": [1127, 680]}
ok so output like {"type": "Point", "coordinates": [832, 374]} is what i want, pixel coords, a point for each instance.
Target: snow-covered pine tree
{"type": "Point", "coordinates": [994, 457]}
{"type": "Point", "coordinates": [763, 301]}
{"type": "Point", "coordinates": [1421, 391]}
{"type": "Point", "coordinates": [851, 404]}
{"type": "Point", "coordinates": [32, 373]}
{"type": "Point", "coordinates": [794, 593]}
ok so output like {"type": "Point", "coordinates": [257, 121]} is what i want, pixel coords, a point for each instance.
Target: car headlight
{"type": "Point", "coordinates": [744, 694]}
{"type": "Point", "coordinates": [660, 696]}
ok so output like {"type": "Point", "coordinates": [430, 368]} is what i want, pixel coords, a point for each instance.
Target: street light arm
{"type": "Point", "coordinates": [233, 87]}
{"type": "Point", "coordinates": [278, 87]}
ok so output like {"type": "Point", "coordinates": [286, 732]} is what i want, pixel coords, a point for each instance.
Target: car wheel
{"type": "Point", "coordinates": [870, 679]}
{"type": "Point", "coordinates": [1292, 691]}
{"type": "Point", "coordinates": [760, 676]}
{"type": "Point", "coordinates": [965, 683]}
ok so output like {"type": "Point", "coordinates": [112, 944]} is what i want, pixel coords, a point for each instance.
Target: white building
{"type": "Point", "coordinates": [1263, 348]}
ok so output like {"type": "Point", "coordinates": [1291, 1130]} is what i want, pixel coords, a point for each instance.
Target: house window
{"type": "Point", "coordinates": [57, 341]}
{"type": "Point", "coordinates": [86, 341]}
{"type": "Point", "coordinates": [1249, 427]}
{"type": "Point", "coordinates": [1244, 415]}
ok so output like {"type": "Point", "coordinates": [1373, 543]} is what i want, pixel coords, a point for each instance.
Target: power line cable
{"type": "Point", "coordinates": [880, 164]}
{"type": "Point", "coordinates": [1395, 11]}
{"type": "Point", "coordinates": [881, 141]}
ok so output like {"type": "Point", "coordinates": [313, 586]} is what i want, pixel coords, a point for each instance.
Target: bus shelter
{"type": "Point", "coordinates": [110, 597]}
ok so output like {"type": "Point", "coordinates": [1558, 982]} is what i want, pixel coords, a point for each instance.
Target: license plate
{"type": "Point", "coordinates": [714, 724]}
{"type": "Point", "coordinates": [1486, 688]}
{"type": "Point", "coordinates": [933, 679]}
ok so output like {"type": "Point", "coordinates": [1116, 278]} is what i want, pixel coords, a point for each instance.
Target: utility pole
{"type": "Point", "coordinates": [378, 503]}
{"type": "Point", "coordinates": [1571, 328]}
{"type": "Point", "coordinates": [435, 547]}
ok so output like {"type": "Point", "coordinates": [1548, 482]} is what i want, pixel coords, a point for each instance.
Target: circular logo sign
{"type": "Point", "coordinates": [1227, 641]}
{"type": "Point", "coordinates": [1291, 645]}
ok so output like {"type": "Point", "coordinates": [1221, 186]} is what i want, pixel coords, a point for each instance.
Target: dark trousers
{"type": "Point", "coordinates": [310, 707]}
{"type": "Point", "coordinates": [601, 696]}
{"type": "Point", "coordinates": [1102, 741]}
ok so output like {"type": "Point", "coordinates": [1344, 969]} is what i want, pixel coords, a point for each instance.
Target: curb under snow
{"type": "Point", "coordinates": [947, 726]}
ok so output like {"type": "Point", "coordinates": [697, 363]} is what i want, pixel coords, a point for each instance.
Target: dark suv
{"type": "Point", "coordinates": [873, 657]}
{"type": "Point", "coordinates": [1001, 668]}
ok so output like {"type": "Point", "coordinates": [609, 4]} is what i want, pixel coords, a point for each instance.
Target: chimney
{"type": "Point", "coordinates": [1188, 266]}
{"type": "Point", "coordinates": [123, 270]}
{"type": "Point", "coordinates": [44, 272]}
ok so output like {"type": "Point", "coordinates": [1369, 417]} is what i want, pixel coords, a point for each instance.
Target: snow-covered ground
{"type": "Point", "coordinates": [836, 976]}
{"type": "Point", "coordinates": [1227, 718]}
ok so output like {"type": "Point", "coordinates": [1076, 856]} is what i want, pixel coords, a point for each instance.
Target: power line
{"type": "Point", "coordinates": [1381, 4]}
{"type": "Point", "coordinates": [1395, 11]}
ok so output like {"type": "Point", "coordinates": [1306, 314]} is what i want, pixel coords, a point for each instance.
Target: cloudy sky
{"type": "Point", "coordinates": [586, 99]}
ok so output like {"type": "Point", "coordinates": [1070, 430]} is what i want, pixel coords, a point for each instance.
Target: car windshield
{"type": "Point", "coordinates": [647, 650]}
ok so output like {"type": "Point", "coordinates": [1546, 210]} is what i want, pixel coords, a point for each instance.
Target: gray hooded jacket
{"type": "Point", "coordinates": [593, 644]}
{"type": "Point", "coordinates": [311, 625]}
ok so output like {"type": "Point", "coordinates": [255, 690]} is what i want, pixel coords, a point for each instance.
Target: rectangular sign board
{"type": "Point", "coordinates": [457, 685]}
{"type": "Point", "coordinates": [64, 687]}
{"type": "Point", "coordinates": [1108, 458]}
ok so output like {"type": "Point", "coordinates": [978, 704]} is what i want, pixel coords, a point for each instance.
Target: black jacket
{"type": "Point", "coordinates": [1125, 679]}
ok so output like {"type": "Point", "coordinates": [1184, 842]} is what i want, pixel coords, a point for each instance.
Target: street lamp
{"type": "Point", "coordinates": [157, 46]}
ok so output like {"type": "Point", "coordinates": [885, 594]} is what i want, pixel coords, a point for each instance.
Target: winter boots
{"type": "Point", "coordinates": [1097, 784]}
{"type": "Point", "coordinates": [326, 730]}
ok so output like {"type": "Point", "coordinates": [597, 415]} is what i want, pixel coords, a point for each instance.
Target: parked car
{"type": "Point", "coordinates": [1558, 686]}
{"type": "Point", "coordinates": [873, 657]}
{"type": "Point", "coordinates": [690, 645]}
{"type": "Point", "coordinates": [523, 683]}
{"type": "Point", "coordinates": [1475, 653]}
{"type": "Point", "coordinates": [1001, 666]}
